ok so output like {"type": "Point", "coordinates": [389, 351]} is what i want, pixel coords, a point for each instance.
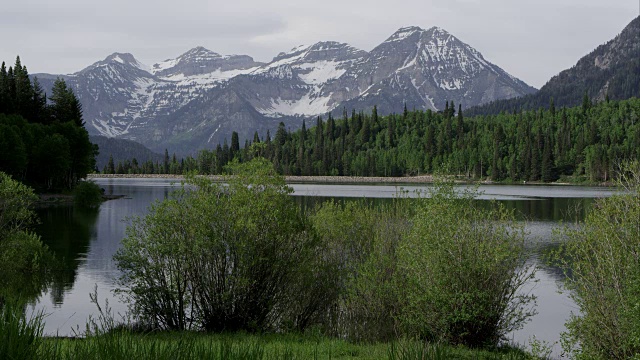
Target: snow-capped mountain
{"type": "Point", "coordinates": [426, 68]}
{"type": "Point", "coordinates": [197, 99]}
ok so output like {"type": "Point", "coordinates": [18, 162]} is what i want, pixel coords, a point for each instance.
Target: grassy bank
{"type": "Point", "coordinates": [185, 345]}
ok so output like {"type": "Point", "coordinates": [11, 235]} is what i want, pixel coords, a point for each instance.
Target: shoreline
{"type": "Point", "coordinates": [420, 179]}
{"type": "Point", "coordinates": [47, 200]}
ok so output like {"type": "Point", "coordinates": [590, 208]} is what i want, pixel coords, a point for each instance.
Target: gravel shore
{"type": "Point", "coordinates": [423, 179]}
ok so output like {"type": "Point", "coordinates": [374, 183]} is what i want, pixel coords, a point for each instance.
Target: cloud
{"type": "Point", "coordinates": [532, 40]}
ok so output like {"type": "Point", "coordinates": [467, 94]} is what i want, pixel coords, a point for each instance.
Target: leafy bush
{"type": "Point", "coordinates": [24, 260]}
{"type": "Point", "coordinates": [602, 265]}
{"type": "Point", "coordinates": [361, 240]}
{"type": "Point", "coordinates": [87, 194]}
{"type": "Point", "coordinates": [462, 269]}
{"type": "Point", "coordinates": [218, 257]}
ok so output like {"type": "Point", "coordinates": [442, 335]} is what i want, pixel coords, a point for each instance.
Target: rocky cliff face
{"type": "Point", "coordinates": [199, 98]}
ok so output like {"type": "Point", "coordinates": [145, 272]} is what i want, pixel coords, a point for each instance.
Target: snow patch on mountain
{"type": "Point", "coordinates": [164, 65]}
{"type": "Point", "coordinates": [321, 72]}
{"type": "Point", "coordinates": [307, 104]}
{"type": "Point", "coordinates": [211, 78]}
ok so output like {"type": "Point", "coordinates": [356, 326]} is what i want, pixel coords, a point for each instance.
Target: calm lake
{"type": "Point", "coordinates": [87, 240]}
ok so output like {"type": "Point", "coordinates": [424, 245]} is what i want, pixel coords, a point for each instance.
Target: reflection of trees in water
{"type": "Point", "coordinates": [310, 203]}
{"type": "Point", "coordinates": [546, 265]}
{"type": "Point", "coordinates": [567, 210]}
{"type": "Point", "coordinates": [67, 232]}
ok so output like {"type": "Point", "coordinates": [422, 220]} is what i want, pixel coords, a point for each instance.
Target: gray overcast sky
{"type": "Point", "coordinates": [531, 39]}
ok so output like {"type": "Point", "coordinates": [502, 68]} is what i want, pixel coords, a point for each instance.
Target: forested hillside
{"type": "Point", "coordinates": [586, 141]}
{"type": "Point", "coordinates": [42, 143]}
{"type": "Point", "coordinates": [610, 71]}
{"type": "Point", "coordinates": [120, 150]}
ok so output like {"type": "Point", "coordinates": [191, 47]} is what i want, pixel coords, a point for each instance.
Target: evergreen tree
{"type": "Point", "coordinates": [235, 145]}
{"type": "Point", "coordinates": [110, 166]}
{"type": "Point", "coordinates": [460, 128]}
{"type": "Point", "coordinates": [5, 99]}
{"type": "Point", "coordinates": [39, 103]}
{"type": "Point", "coordinates": [64, 104]}
{"type": "Point", "coordinates": [165, 162]}
{"type": "Point", "coordinates": [546, 172]}
{"type": "Point", "coordinates": [496, 166]}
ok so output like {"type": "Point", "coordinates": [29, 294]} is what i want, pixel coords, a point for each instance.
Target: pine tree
{"type": "Point", "coordinates": [460, 128]}
{"type": "Point", "coordinates": [11, 82]}
{"type": "Point", "coordinates": [391, 130]}
{"type": "Point", "coordinates": [546, 172]}
{"type": "Point", "coordinates": [374, 114]}
{"type": "Point", "coordinates": [65, 106]}
{"type": "Point", "coordinates": [39, 103]}
{"type": "Point", "coordinates": [301, 149]}
{"type": "Point", "coordinates": [235, 145]}
{"type": "Point", "coordinates": [23, 91]}
{"type": "Point", "coordinates": [496, 166]}
{"type": "Point", "coordinates": [165, 162]}
{"type": "Point", "coordinates": [5, 99]}
{"type": "Point", "coordinates": [110, 166]}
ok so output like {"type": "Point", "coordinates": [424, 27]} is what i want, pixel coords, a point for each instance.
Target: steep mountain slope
{"type": "Point", "coordinates": [426, 68]}
{"type": "Point", "coordinates": [121, 150]}
{"type": "Point", "coordinates": [612, 69]}
{"type": "Point", "coordinates": [197, 99]}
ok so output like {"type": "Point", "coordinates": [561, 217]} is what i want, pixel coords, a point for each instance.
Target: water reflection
{"type": "Point", "coordinates": [67, 232]}
{"type": "Point", "coordinates": [87, 241]}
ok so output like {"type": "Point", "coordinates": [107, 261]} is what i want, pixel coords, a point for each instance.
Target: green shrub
{"type": "Point", "coordinates": [461, 269]}
{"type": "Point", "coordinates": [361, 242]}
{"type": "Point", "coordinates": [87, 194]}
{"type": "Point", "coordinates": [218, 257]}
{"type": "Point", "coordinates": [24, 260]}
{"type": "Point", "coordinates": [601, 261]}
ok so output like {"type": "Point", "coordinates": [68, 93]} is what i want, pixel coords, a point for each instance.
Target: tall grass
{"type": "Point", "coordinates": [123, 345]}
{"type": "Point", "coordinates": [189, 345]}
{"type": "Point", "coordinates": [20, 337]}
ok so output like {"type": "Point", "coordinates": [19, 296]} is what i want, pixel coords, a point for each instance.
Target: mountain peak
{"type": "Point", "coordinates": [122, 58]}
{"type": "Point", "coordinates": [404, 33]}
{"type": "Point", "coordinates": [438, 31]}
{"type": "Point", "coordinates": [200, 52]}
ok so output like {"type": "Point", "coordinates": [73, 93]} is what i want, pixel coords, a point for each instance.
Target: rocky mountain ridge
{"type": "Point", "coordinates": [611, 70]}
{"type": "Point", "coordinates": [197, 99]}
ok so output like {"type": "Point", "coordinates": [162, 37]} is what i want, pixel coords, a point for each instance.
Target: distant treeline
{"type": "Point", "coordinates": [43, 143]}
{"type": "Point", "coordinates": [586, 141]}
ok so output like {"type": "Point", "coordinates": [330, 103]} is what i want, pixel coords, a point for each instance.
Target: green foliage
{"type": "Point", "coordinates": [463, 268]}
{"type": "Point", "coordinates": [24, 260]}
{"type": "Point", "coordinates": [362, 240]}
{"type": "Point", "coordinates": [603, 273]}
{"type": "Point", "coordinates": [573, 144]}
{"type": "Point", "coordinates": [217, 257]}
{"type": "Point", "coordinates": [45, 146]}
{"type": "Point", "coordinates": [20, 337]}
{"type": "Point", "coordinates": [15, 202]}
{"type": "Point", "coordinates": [87, 194]}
